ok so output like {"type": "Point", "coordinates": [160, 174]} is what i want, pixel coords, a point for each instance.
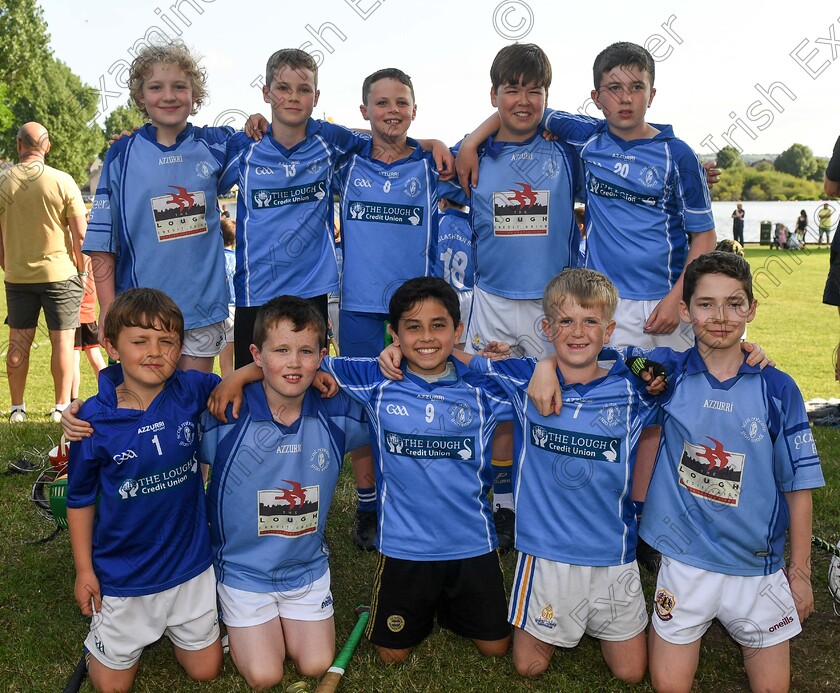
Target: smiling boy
{"type": "Point", "coordinates": [431, 431]}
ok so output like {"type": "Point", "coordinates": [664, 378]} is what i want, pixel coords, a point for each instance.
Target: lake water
{"type": "Point", "coordinates": [781, 212]}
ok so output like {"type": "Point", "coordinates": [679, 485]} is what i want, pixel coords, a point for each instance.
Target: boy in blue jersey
{"type": "Point", "coordinates": [733, 476]}
{"type": "Point", "coordinates": [431, 431]}
{"type": "Point", "coordinates": [135, 501]}
{"type": "Point", "coordinates": [274, 471]}
{"type": "Point", "coordinates": [454, 258]}
{"type": "Point", "coordinates": [156, 204]}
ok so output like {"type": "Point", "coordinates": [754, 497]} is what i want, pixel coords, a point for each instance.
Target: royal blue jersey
{"type": "Point", "coordinates": [150, 530]}
{"type": "Point", "coordinates": [156, 209]}
{"type": "Point", "coordinates": [230, 270]}
{"type": "Point", "coordinates": [271, 487]}
{"type": "Point", "coordinates": [455, 261]}
{"type": "Point", "coordinates": [521, 214]}
{"type": "Point", "coordinates": [389, 219]}
{"type": "Point", "coordinates": [643, 196]}
{"type": "Point", "coordinates": [432, 444]}
{"type": "Point", "coordinates": [572, 473]}
{"type": "Point", "coordinates": [729, 452]}
{"type": "Point", "coordinates": [284, 212]}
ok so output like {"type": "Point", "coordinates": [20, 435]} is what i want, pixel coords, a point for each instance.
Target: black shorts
{"type": "Point", "coordinates": [60, 300]}
{"type": "Point", "coordinates": [243, 329]}
{"type": "Point", "coordinates": [87, 335]}
{"type": "Point", "coordinates": [831, 294]}
{"type": "Point", "coordinates": [467, 595]}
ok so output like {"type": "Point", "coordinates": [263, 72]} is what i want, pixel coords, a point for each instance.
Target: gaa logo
{"type": "Point", "coordinates": [124, 456]}
{"type": "Point", "coordinates": [362, 183]}
{"type": "Point", "coordinates": [263, 171]}
{"type": "Point", "coordinates": [397, 410]}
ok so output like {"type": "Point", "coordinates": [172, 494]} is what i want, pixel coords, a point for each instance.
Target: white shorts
{"type": "Point", "coordinates": [465, 300]}
{"type": "Point", "coordinates": [241, 609]}
{"type": "Point", "coordinates": [630, 318]}
{"type": "Point", "coordinates": [186, 614]}
{"type": "Point", "coordinates": [757, 611]}
{"type": "Point", "coordinates": [205, 341]}
{"type": "Point", "coordinates": [228, 325]}
{"type": "Point", "coordinates": [557, 603]}
{"type": "Point", "coordinates": [515, 321]}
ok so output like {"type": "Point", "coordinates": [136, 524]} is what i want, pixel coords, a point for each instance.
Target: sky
{"type": "Point", "coordinates": [759, 77]}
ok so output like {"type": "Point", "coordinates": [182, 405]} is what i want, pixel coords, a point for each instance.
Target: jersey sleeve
{"type": "Point", "coordinates": [216, 138]}
{"type": "Point", "coordinates": [101, 235]}
{"type": "Point", "coordinates": [357, 378]}
{"type": "Point", "coordinates": [691, 189]}
{"type": "Point", "coordinates": [83, 468]}
{"type": "Point", "coordinates": [344, 139]}
{"type": "Point", "coordinates": [212, 432]}
{"type": "Point", "coordinates": [235, 148]}
{"type": "Point", "coordinates": [356, 432]}
{"type": "Point", "coordinates": [571, 128]}
{"type": "Point", "coordinates": [450, 190]}
{"type": "Point", "coordinates": [833, 170]}
{"type": "Point", "coordinates": [796, 463]}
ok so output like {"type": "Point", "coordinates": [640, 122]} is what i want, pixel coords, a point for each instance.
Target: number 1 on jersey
{"type": "Point", "coordinates": [156, 443]}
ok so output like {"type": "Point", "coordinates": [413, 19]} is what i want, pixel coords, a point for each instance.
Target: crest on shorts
{"type": "Point", "coordinates": [546, 618]}
{"type": "Point", "coordinates": [664, 603]}
{"type": "Point", "coordinates": [395, 623]}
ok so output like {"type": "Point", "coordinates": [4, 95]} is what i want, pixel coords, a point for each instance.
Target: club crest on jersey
{"type": "Point", "coordinates": [664, 603]}
{"type": "Point", "coordinates": [753, 429]}
{"type": "Point", "coordinates": [650, 177]}
{"type": "Point", "coordinates": [710, 472]}
{"type": "Point", "coordinates": [430, 447]}
{"type": "Point", "coordinates": [186, 434]}
{"type": "Point", "coordinates": [551, 169]}
{"type": "Point", "coordinates": [575, 444]}
{"type": "Point", "coordinates": [546, 618]}
{"type": "Point", "coordinates": [461, 414]}
{"type": "Point", "coordinates": [288, 512]}
{"type": "Point", "coordinates": [412, 187]}
{"type": "Point", "coordinates": [610, 415]}
{"type": "Point", "coordinates": [179, 214]}
{"type": "Point", "coordinates": [203, 170]}
{"type": "Point", "coordinates": [520, 212]}
{"type": "Point", "coordinates": [320, 459]}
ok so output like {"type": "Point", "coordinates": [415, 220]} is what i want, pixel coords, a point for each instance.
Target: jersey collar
{"type": "Point", "coordinates": [493, 148]}
{"type": "Point", "coordinates": [460, 371]}
{"type": "Point", "coordinates": [149, 132]}
{"type": "Point", "coordinates": [695, 364]}
{"type": "Point", "coordinates": [312, 126]}
{"type": "Point", "coordinates": [259, 409]}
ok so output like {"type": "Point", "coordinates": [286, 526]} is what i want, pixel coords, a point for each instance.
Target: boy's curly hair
{"type": "Point", "coordinates": [174, 53]}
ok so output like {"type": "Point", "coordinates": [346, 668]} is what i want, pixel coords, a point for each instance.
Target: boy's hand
{"type": "Point", "coordinates": [756, 355]}
{"type": "Point", "coordinates": [389, 362]}
{"type": "Point", "coordinates": [120, 135]}
{"type": "Point", "coordinates": [86, 588]}
{"type": "Point", "coordinates": [803, 593]}
{"type": "Point", "coordinates": [712, 172]}
{"type": "Point", "coordinates": [325, 384]}
{"type": "Point", "coordinates": [496, 351]}
{"type": "Point", "coordinates": [652, 372]}
{"type": "Point", "coordinates": [665, 317]}
{"type": "Point", "coordinates": [255, 126]}
{"type": "Point", "coordinates": [225, 393]}
{"type": "Point", "coordinates": [544, 388]}
{"type": "Point", "coordinates": [444, 161]}
{"type": "Point", "coordinates": [466, 165]}
{"type": "Point", "coordinates": [74, 429]}
{"type": "Point", "coordinates": [549, 136]}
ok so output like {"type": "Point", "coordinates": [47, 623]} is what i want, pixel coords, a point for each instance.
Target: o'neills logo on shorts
{"type": "Point", "coordinates": [781, 624]}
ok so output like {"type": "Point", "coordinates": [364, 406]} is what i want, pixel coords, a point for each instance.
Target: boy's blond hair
{"type": "Point", "coordinates": [293, 58]}
{"type": "Point", "coordinates": [585, 287]}
{"type": "Point", "coordinates": [174, 53]}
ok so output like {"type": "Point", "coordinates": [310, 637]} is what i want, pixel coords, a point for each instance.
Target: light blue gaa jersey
{"type": "Point", "coordinates": [729, 452]}
{"type": "Point", "coordinates": [573, 472]}
{"type": "Point", "coordinates": [271, 487]}
{"type": "Point", "coordinates": [150, 531]}
{"type": "Point", "coordinates": [432, 445]}
{"type": "Point", "coordinates": [522, 215]}
{"type": "Point", "coordinates": [284, 212]}
{"type": "Point", "coordinates": [389, 219]}
{"type": "Point", "coordinates": [642, 197]}
{"type": "Point", "coordinates": [156, 210]}
{"type": "Point", "coordinates": [455, 261]}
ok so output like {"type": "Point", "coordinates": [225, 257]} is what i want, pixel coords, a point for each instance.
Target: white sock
{"type": "Point", "coordinates": [503, 500]}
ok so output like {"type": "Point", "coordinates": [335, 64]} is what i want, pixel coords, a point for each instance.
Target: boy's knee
{"type": "Point", "coordinates": [493, 648]}
{"type": "Point", "coordinates": [632, 673]}
{"type": "Point", "coordinates": [529, 666]}
{"type": "Point", "coordinates": [262, 680]}
{"type": "Point", "coordinates": [312, 667]}
{"type": "Point", "coordinates": [391, 656]}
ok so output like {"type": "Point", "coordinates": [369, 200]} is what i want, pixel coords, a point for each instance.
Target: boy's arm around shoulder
{"type": "Point", "coordinates": [571, 128]}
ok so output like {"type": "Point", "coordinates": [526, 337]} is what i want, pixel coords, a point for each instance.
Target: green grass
{"type": "Point", "coordinates": [43, 630]}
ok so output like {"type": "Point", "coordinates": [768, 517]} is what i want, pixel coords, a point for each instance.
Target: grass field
{"type": "Point", "coordinates": [43, 629]}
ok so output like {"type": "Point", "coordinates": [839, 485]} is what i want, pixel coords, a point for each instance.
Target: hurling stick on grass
{"type": "Point", "coordinates": [74, 683]}
{"type": "Point", "coordinates": [333, 676]}
{"type": "Point", "coordinates": [825, 546]}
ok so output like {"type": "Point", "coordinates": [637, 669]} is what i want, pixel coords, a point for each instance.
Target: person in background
{"type": "Point", "coordinates": [738, 224]}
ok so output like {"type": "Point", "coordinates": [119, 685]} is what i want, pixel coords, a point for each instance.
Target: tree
{"type": "Point", "coordinates": [122, 118]}
{"type": "Point", "coordinates": [729, 157]}
{"type": "Point", "coordinates": [797, 160]}
{"type": "Point", "coordinates": [25, 45]}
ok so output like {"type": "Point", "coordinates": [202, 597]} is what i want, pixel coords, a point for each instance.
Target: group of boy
{"type": "Point", "coordinates": [652, 183]}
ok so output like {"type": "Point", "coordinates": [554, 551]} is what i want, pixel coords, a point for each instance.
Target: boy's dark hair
{"type": "Point", "coordinates": [299, 312]}
{"type": "Point", "coordinates": [387, 73]}
{"type": "Point", "coordinates": [149, 309]}
{"type": "Point", "coordinates": [293, 58]}
{"type": "Point", "coordinates": [717, 262]}
{"type": "Point", "coordinates": [419, 289]}
{"type": "Point", "coordinates": [622, 54]}
{"type": "Point", "coordinates": [228, 232]}
{"type": "Point", "coordinates": [521, 63]}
